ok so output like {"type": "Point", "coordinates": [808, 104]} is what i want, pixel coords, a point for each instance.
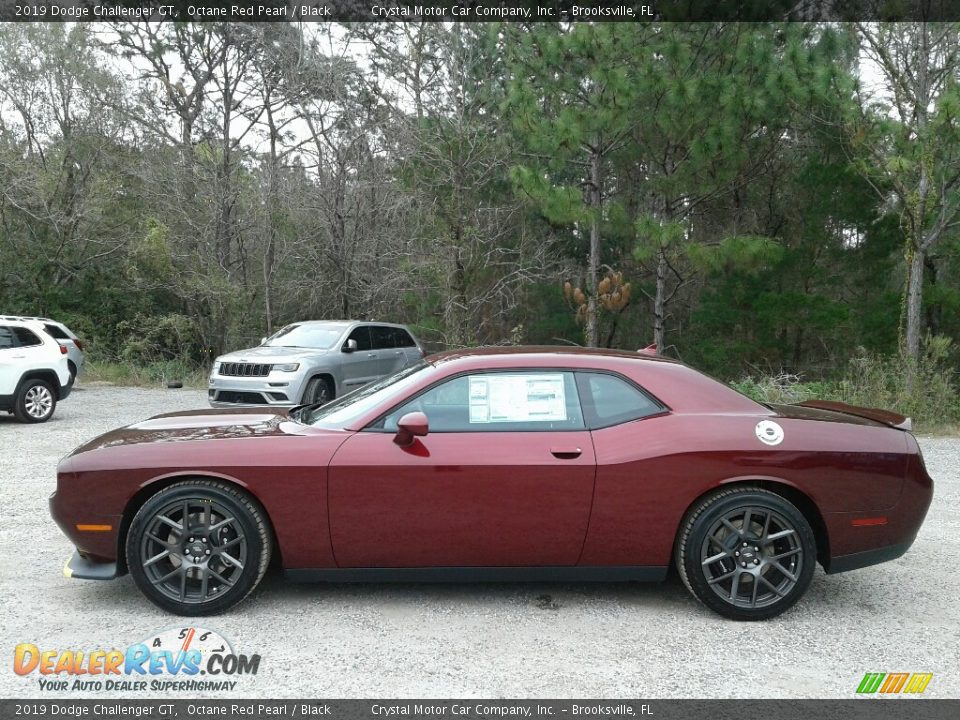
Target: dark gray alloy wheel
{"type": "Point", "coordinates": [36, 402]}
{"type": "Point", "coordinates": [746, 553]}
{"type": "Point", "coordinates": [198, 547]}
{"type": "Point", "coordinates": [319, 391]}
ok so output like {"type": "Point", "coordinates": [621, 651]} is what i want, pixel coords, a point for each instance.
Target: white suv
{"type": "Point", "coordinates": [34, 371]}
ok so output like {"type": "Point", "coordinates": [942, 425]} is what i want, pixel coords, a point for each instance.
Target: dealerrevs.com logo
{"type": "Point", "coordinates": [894, 683]}
{"type": "Point", "coordinates": [190, 659]}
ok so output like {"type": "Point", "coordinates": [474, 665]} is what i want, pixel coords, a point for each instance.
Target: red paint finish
{"type": "Point", "coordinates": [352, 497]}
{"type": "Point", "coordinates": [471, 499]}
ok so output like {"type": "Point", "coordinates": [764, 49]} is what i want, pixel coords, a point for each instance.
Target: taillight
{"type": "Point", "coordinates": [78, 344]}
{"type": "Point", "coordinates": [63, 349]}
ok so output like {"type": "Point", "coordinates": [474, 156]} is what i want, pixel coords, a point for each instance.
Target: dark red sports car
{"type": "Point", "coordinates": [500, 464]}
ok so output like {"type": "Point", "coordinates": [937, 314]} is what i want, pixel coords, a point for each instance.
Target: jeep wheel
{"type": "Point", "coordinates": [35, 402]}
{"type": "Point", "coordinates": [319, 391]}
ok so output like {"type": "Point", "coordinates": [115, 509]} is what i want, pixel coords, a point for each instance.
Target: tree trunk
{"type": "Point", "coordinates": [914, 315]}
{"type": "Point", "coordinates": [659, 301]}
{"type": "Point", "coordinates": [592, 329]}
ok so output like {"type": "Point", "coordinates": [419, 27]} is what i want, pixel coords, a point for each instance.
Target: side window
{"type": "Point", "coordinates": [362, 336]}
{"type": "Point", "coordinates": [6, 338]}
{"type": "Point", "coordinates": [382, 337]}
{"type": "Point", "coordinates": [491, 402]}
{"type": "Point", "coordinates": [26, 337]}
{"type": "Point", "coordinates": [402, 339]}
{"type": "Point", "coordinates": [611, 400]}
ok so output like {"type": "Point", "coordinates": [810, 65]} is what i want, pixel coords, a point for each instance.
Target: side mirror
{"type": "Point", "coordinates": [350, 345]}
{"type": "Point", "coordinates": [263, 339]}
{"type": "Point", "coordinates": [411, 425]}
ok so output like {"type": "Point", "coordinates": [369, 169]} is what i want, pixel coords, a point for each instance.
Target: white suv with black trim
{"type": "Point", "coordinates": [311, 362]}
{"type": "Point", "coordinates": [34, 371]}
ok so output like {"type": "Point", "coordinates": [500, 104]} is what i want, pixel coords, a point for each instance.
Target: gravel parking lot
{"type": "Point", "coordinates": [540, 640]}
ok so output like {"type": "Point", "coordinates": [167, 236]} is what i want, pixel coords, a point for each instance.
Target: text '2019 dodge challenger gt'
{"type": "Point", "coordinates": [500, 464]}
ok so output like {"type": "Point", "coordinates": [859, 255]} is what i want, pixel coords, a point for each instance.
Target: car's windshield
{"type": "Point", "coordinates": [306, 336]}
{"type": "Point", "coordinates": [342, 412]}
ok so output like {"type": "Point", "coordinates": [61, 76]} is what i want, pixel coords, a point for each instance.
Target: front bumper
{"type": "Point", "coordinates": [84, 569]}
{"type": "Point", "coordinates": [269, 391]}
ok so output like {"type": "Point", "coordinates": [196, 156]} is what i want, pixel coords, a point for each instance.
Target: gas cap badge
{"type": "Point", "coordinates": [769, 432]}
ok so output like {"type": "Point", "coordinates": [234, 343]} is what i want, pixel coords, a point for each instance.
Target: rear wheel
{"type": "Point", "coordinates": [318, 391]}
{"type": "Point", "coordinates": [746, 553]}
{"type": "Point", "coordinates": [35, 402]}
{"type": "Point", "coordinates": [198, 547]}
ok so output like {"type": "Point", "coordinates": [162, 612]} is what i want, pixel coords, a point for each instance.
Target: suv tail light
{"type": "Point", "coordinates": [63, 349]}
{"type": "Point", "coordinates": [76, 341]}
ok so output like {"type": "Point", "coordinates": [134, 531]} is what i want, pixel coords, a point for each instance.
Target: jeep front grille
{"type": "Point", "coordinates": [245, 369]}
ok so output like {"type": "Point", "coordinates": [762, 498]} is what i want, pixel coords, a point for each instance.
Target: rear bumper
{"type": "Point", "coordinates": [844, 563]}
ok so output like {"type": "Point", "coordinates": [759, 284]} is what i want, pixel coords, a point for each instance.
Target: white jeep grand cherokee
{"type": "Point", "coordinates": [34, 371]}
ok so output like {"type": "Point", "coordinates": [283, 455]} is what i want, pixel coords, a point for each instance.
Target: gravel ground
{"type": "Point", "coordinates": [498, 640]}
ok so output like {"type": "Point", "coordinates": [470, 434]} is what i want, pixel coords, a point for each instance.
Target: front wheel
{"type": "Point", "coordinates": [319, 391]}
{"type": "Point", "coordinates": [198, 547]}
{"type": "Point", "coordinates": [746, 553]}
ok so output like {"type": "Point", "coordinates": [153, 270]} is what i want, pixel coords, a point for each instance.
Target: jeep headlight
{"type": "Point", "coordinates": [287, 367]}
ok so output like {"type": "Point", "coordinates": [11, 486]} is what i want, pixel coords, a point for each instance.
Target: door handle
{"type": "Point", "coordinates": [371, 354]}
{"type": "Point", "coordinates": [566, 453]}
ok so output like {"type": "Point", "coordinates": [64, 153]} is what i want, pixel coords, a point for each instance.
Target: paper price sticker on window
{"type": "Point", "coordinates": [527, 397]}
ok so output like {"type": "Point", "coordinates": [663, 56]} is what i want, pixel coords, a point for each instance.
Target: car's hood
{"type": "Point", "coordinates": [265, 353]}
{"type": "Point", "coordinates": [830, 411]}
{"type": "Point", "coordinates": [196, 425]}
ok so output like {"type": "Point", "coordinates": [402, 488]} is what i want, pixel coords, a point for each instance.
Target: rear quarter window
{"type": "Point", "coordinates": [611, 400]}
{"type": "Point", "coordinates": [56, 332]}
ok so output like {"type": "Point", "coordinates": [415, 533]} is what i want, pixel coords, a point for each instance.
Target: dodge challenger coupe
{"type": "Point", "coordinates": [534, 464]}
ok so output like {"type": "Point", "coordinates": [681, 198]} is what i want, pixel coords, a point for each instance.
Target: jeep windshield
{"type": "Point", "coordinates": [344, 410]}
{"type": "Point", "coordinates": [320, 337]}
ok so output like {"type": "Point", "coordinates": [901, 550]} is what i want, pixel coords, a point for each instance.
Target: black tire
{"type": "Point", "coordinates": [746, 553]}
{"type": "Point", "coordinates": [73, 371]}
{"type": "Point", "coordinates": [169, 566]}
{"type": "Point", "coordinates": [35, 402]}
{"type": "Point", "coordinates": [318, 391]}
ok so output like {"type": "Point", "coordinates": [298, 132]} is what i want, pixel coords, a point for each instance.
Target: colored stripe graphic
{"type": "Point", "coordinates": [894, 682]}
{"type": "Point", "coordinates": [918, 682]}
{"type": "Point", "coordinates": [870, 682]}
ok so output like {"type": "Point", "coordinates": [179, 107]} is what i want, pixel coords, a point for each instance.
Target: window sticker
{"type": "Point", "coordinates": [530, 397]}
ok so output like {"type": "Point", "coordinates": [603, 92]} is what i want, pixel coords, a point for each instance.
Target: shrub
{"type": "Point", "coordinates": [877, 381]}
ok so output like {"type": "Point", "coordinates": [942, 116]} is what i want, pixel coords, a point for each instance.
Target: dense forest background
{"type": "Point", "coordinates": [756, 199]}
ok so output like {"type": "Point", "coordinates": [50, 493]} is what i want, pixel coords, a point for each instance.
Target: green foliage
{"type": "Point", "coordinates": [157, 338]}
{"type": "Point", "coordinates": [876, 381]}
{"type": "Point", "coordinates": [460, 197]}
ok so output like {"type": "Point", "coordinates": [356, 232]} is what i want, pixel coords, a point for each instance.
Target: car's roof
{"type": "Point", "coordinates": [539, 353]}
{"type": "Point", "coordinates": [678, 386]}
{"type": "Point", "coordinates": [29, 318]}
{"type": "Point", "coordinates": [29, 321]}
{"type": "Point", "coordinates": [344, 323]}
